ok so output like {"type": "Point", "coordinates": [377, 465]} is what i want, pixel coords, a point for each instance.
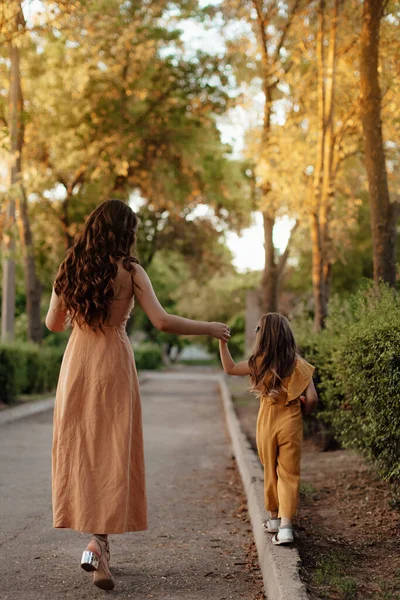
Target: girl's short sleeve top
{"type": "Point", "coordinates": [299, 380]}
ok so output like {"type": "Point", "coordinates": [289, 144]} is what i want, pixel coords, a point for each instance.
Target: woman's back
{"type": "Point", "coordinates": [124, 299]}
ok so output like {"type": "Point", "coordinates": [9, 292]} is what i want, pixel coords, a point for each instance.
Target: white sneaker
{"type": "Point", "coordinates": [272, 525]}
{"type": "Point", "coordinates": [284, 535]}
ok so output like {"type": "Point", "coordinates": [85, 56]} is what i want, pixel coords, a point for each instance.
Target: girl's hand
{"type": "Point", "coordinates": [220, 331]}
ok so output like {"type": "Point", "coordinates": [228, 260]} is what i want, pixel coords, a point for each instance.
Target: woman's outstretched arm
{"type": "Point", "coordinates": [229, 365]}
{"type": "Point", "coordinates": [163, 321]}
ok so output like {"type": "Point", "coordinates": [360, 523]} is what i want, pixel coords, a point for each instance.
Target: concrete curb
{"type": "Point", "coordinates": [279, 564]}
{"type": "Point", "coordinates": [7, 415]}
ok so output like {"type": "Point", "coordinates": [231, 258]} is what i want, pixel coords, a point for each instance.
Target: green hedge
{"type": "Point", "coordinates": [357, 360]}
{"type": "Point", "coordinates": [148, 356]}
{"type": "Point", "coordinates": [27, 369]}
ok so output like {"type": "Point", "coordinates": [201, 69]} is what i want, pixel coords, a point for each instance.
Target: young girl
{"type": "Point", "coordinates": [283, 382]}
{"type": "Point", "coordinates": [98, 476]}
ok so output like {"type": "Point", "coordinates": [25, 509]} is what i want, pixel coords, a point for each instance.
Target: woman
{"type": "Point", "coordinates": [98, 473]}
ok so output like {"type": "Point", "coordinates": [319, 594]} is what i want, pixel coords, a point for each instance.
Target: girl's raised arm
{"type": "Point", "coordinates": [229, 365]}
{"type": "Point", "coordinates": [311, 398]}
{"type": "Point", "coordinates": [163, 321]}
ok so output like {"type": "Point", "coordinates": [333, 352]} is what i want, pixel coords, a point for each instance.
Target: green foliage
{"type": "Point", "coordinates": [237, 340]}
{"type": "Point", "coordinates": [358, 374]}
{"type": "Point", "coordinates": [329, 572]}
{"type": "Point", "coordinates": [148, 356]}
{"type": "Point", "coordinates": [218, 298]}
{"type": "Point", "coordinates": [57, 339]}
{"type": "Point", "coordinates": [168, 271]}
{"type": "Point", "coordinates": [12, 372]}
{"type": "Point", "coordinates": [26, 368]}
{"type": "Point", "coordinates": [92, 82]}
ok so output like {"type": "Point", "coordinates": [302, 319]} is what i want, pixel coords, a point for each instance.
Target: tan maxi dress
{"type": "Point", "coordinates": [98, 473]}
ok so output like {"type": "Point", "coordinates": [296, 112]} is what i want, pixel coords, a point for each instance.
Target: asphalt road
{"type": "Point", "coordinates": [197, 541]}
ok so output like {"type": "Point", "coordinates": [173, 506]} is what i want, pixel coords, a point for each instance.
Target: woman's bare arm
{"type": "Point", "coordinates": [56, 319]}
{"type": "Point", "coordinates": [163, 321]}
{"type": "Point", "coordinates": [229, 365]}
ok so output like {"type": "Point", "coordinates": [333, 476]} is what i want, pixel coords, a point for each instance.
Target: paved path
{"type": "Point", "coordinates": [195, 548]}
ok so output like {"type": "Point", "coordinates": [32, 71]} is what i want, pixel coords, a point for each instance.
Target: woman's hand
{"type": "Point", "coordinates": [220, 331]}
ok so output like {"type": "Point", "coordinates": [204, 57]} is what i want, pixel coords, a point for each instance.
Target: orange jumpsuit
{"type": "Point", "coordinates": [279, 439]}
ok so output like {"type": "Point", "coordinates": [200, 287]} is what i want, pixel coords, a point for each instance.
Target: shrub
{"type": "Point", "coordinates": [12, 371]}
{"type": "Point", "coordinates": [357, 364]}
{"type": "Point", "coordinates": [56, 340]}
{"type": "Point", "coordinates": [42, 369]}
{"type": "Point", "coordinates": [148, 356]}
{"type": "Point", "coordinates": [27, 368]}
{"type": "Point", "coordinates": [362, 395]}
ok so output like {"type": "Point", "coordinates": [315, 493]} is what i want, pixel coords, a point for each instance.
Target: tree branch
{"type": "Point", "coordinates": [286, 28]}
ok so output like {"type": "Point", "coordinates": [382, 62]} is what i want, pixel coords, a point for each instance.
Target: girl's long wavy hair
{"type": "Point", "coordinates": [274, 355]}
{"type": "Point", "coordinates": [85, 278]}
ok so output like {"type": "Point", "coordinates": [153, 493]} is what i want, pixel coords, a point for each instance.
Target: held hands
{"type": "Point", "coordinates": [220, 331]}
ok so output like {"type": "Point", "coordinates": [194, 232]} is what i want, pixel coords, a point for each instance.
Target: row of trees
{"type": "Point", "coordinates": [320, 129]}
{"type": "Point", "coordinates": [104, 100]}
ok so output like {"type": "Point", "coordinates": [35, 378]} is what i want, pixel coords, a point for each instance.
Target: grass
{"type": "Point", "coordinates": [206, 362]}
{"type": "Point", "coordinates": [329, 573]}
{"type": "Point", "coordinates": [389, 589]}
{"type": "Point", "coordinates": [306, 488]}
{"type": "Point", "coordinates": [32, 397]}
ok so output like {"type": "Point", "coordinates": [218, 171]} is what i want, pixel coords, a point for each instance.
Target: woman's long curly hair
{"type": "Point", "coordinates": [274, 355]}
{"type": "Point", "coordinates": [85, 278]}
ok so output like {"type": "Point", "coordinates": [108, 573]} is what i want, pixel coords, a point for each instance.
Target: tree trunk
{"type": "Point", "coordinates": [274, 266]}
{"type": "Point", "coordinates": [15, 128]}
{"type": "Point", "coordinates": [320, 305]}
{"type": "Point", "coordinates": [383, 222]}
{"type": "Point", "coordinates": [65, 223]}
{"type": "Point", "coordinates": [270, 62]}
{"type": "Point", "coordinates": [270, 280]}
{"type": "Point", "coordinates": [33, 287]}
{"type": "Point", "coordinates": [324, 169]}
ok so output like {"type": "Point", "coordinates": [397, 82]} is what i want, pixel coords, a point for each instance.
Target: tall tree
{"type": "Point", "coordinates": [141, 119]}
{"type": "Point", "coordinates": [33, 286]}
{"type": "Point", "coordinates": [15, 21]}
{"type": "Point", "coordinates": [269, 60]}
{"type": "Point", "coordinates": [323, 174]}
{"type": "Point", "coordinates": [17, 196]}
{"type": "Point", "coordinates": [338, 139]}
{"type": "Point", "coordinates": [383, 218]}
{"type": "Point", "coordinates": [273, 70]}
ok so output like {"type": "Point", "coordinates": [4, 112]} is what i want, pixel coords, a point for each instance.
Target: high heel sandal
{"type": "Point", "coordinates": [98, 563]}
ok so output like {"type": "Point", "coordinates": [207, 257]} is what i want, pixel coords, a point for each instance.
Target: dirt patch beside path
{"type": "Point", "coordinates": [348, 528]}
